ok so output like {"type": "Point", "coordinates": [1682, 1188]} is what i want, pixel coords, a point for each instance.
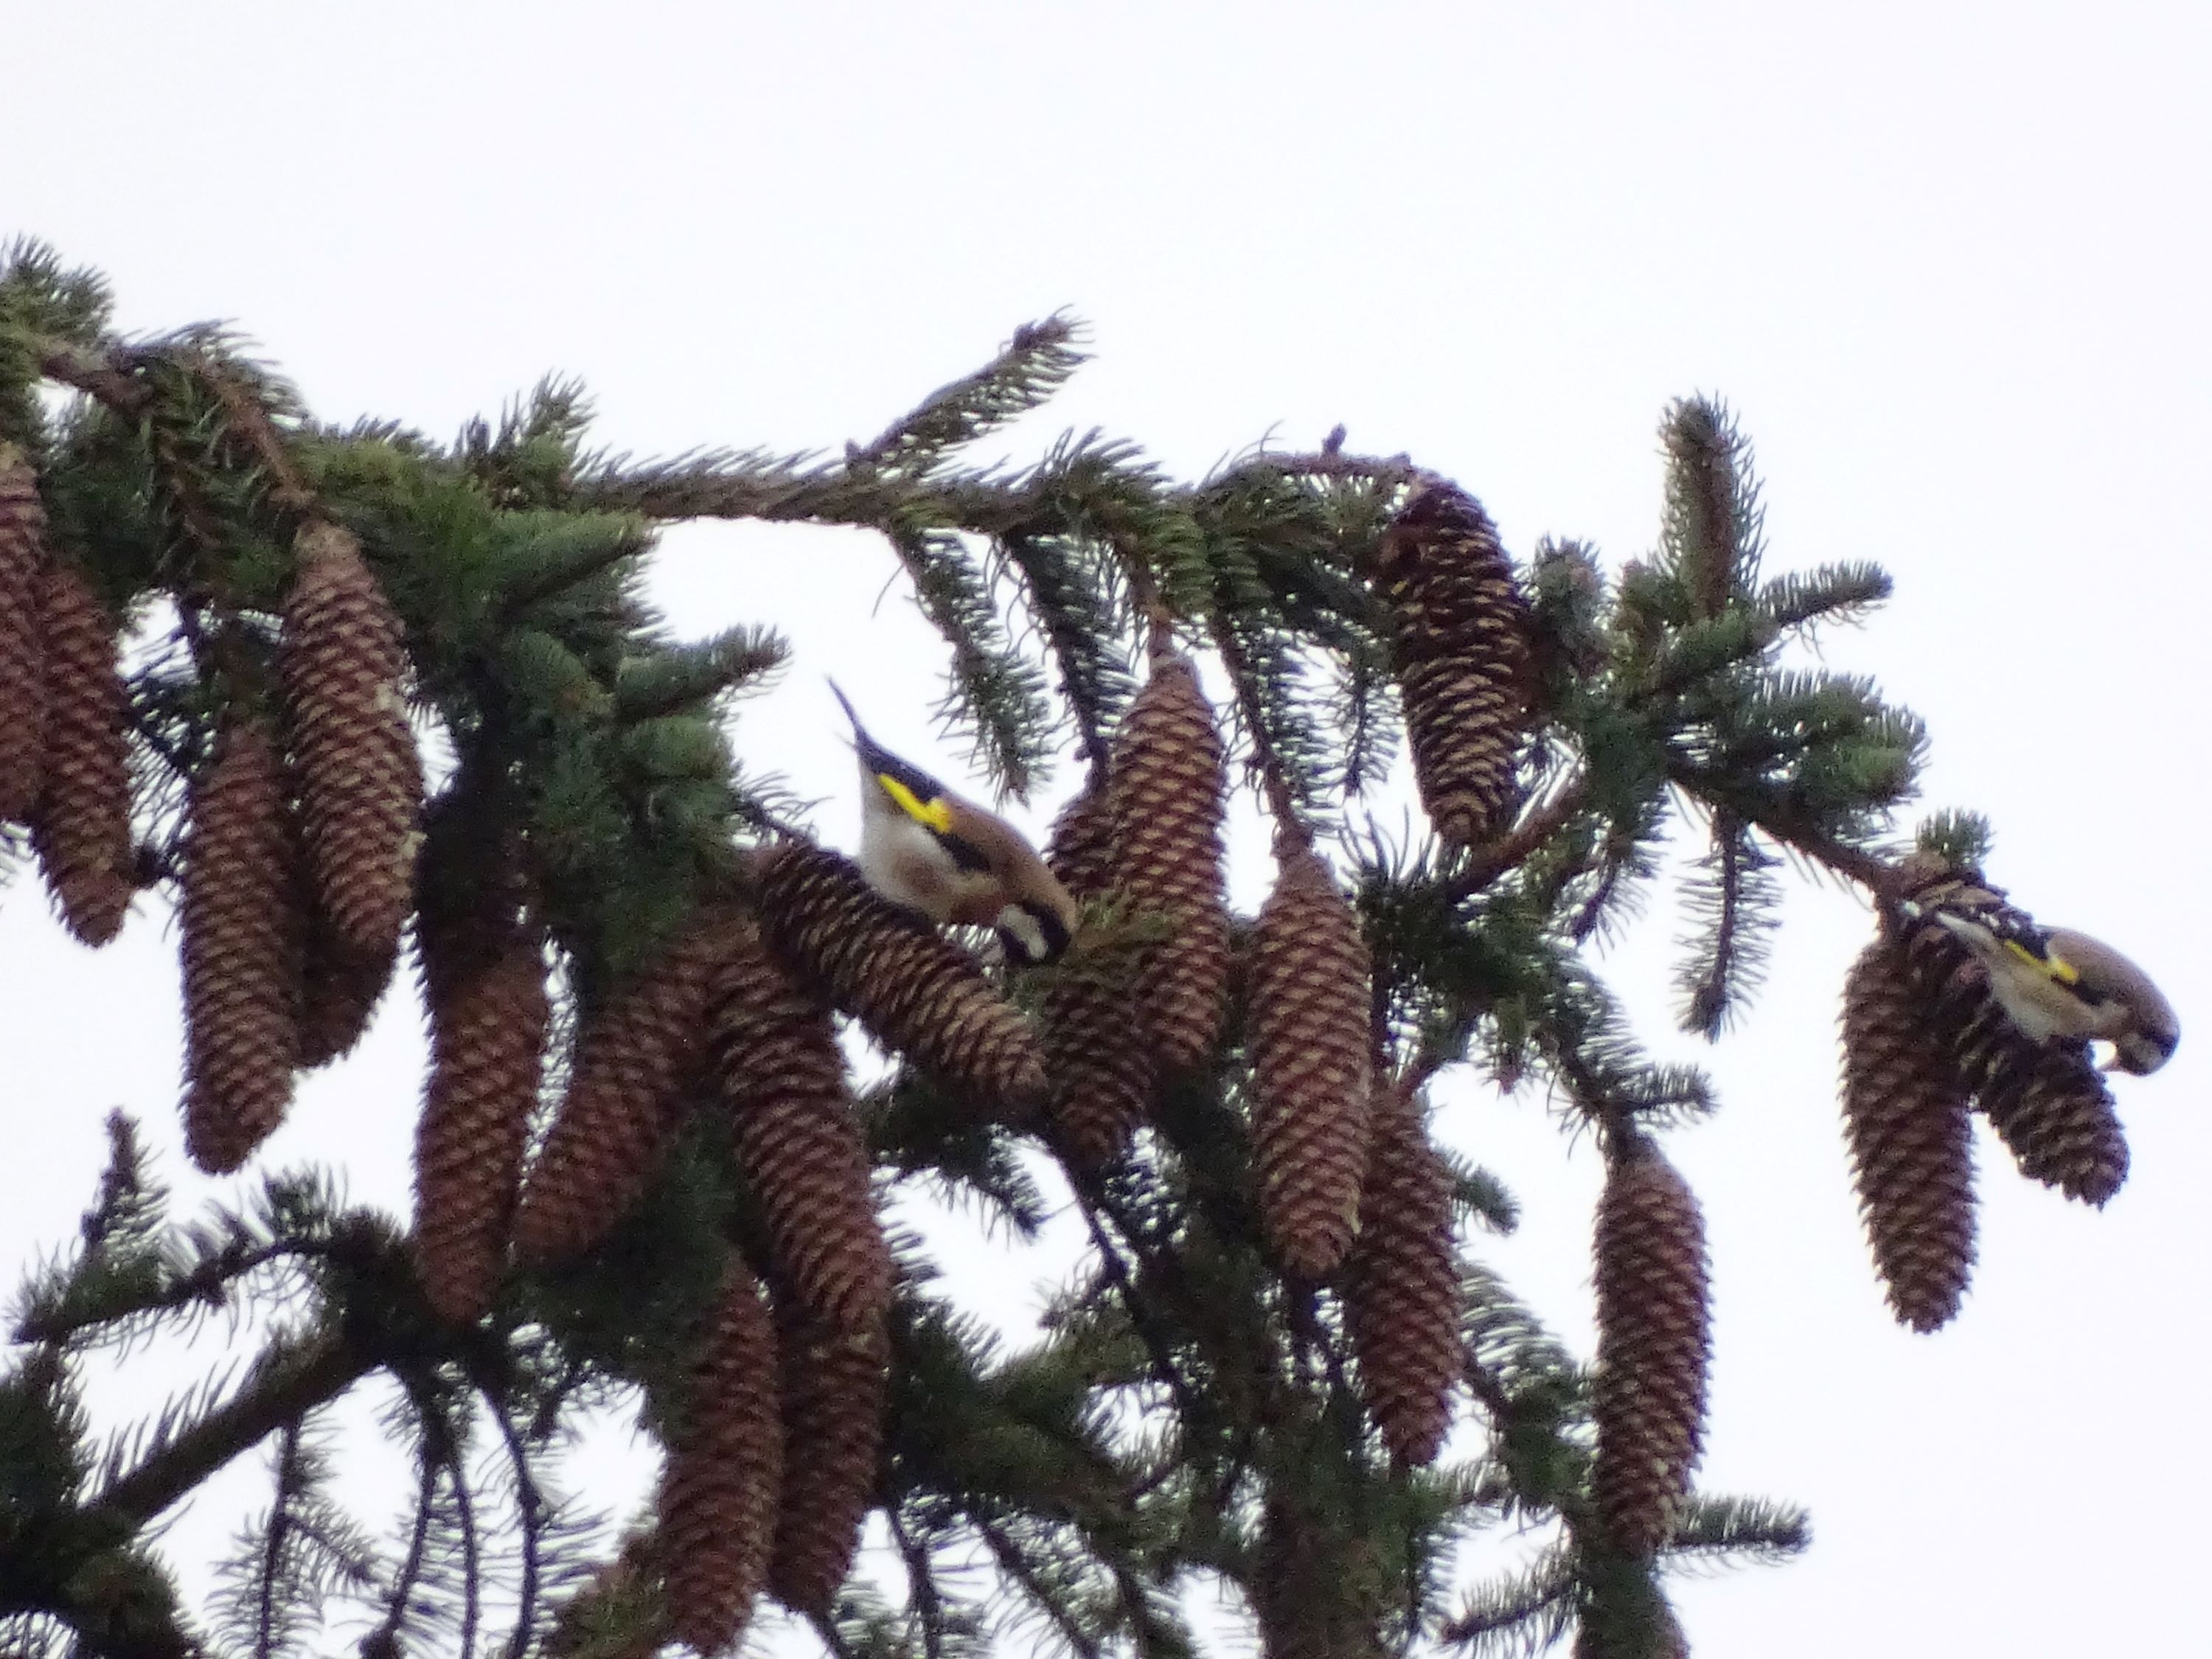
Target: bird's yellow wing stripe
{"type": "Point", "coordinates": [2053, 964]}
{"type": "Point", "coordinates": [932, 814]}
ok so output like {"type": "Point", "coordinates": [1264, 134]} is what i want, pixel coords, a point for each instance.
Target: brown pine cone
{"type": "Point", "coordinates": [913, 991]}
{"type": "Point", "coordinates": [487, 1050]}
{"type": "Point", "coordinates": [80, 827]}
{"type": "Point", "coordinates": [720, 1492]}
{"type": "Point", "coordinates": [241, 950]}
{"type": "Point", "coordinates": [637, 1055]}
{"type": "Point", "coordinates": [1912, 1140]}
{"type": "Point", "coordinates": [2049, 1106]}
{"type": "Point", "coordinates": [23, 691]}
{"type": "Point", "coordinates": [1654, 1340]}
{"type": "Point", "coordinates": [1402, 1293]}
{"type": "Point", "coordinates": [339, 991]}
{"type": "Point", "coordinates": [1315, 1594]}
{"type": "Point", "coordinates": [1311, 1044]}
{"type": "Point", "coordinates": [1169, 787]}
{"type": "Point", "coordinates": [798, 1141]}
{"type": "Point", "coordinates": [1101, 1081]}
{"type": "Point", "coordinates": [344, 662]}
{"type": "Point", "coordinates": [1462, 640]}
{"type": "Point", "coordinates": [835, 1387]}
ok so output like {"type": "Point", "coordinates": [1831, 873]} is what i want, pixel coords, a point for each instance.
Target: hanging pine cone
{"type": "Point", "coordinates": [1101, 1081]}
{"type": "Point", "coordinates": [344, 661]}
{"type": "Point", "coordinates": [1462, 646]}
{"type": "Point", "coordinates": [913, 991]}
{"type": "Point", "coordinates": [834, 1389]}
{"type": "Point", "coordinates": [487, 1047]}
{"type": "Point", "coordinates": [80, 827]}
{"type": "Point", "coordinates": [1315, 1593]}
{"type": "Point", "coordinates": [1912, 1140]}
{"type": "Point", "coordinates": [720, 1492]}
{"type": "Point", "coordinates": [1311, 1042]}
{"type": "Point", "coordinates": [1170, 785]}
{"type": "Point", "coordinates": [636, 1057]}
{"type": "Point", "coordinates": [782, 1076]}
{"type": "Point", "coordinates": [2046, 1100]}
{"type": "Point", "coordinates": [241, 951]}
{"type": "Point", "coordinates": [2051, 1107]}
{"type": "Point", "coordinates": [483, 986]}
{"type": "Point", "coordinates": [1654, 1340]}
{"type": "Point", "coordinates": [339, 990]}
{"type": "Point", "coordinates": [23, 694]}
{"type": "Point", "coordinates": [1402, 1295]}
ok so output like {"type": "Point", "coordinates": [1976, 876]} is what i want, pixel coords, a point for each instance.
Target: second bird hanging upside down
{"type": "Point", "coordinates": [2057, 984]}
{"type": "Point", "coordinates": [924, 847]}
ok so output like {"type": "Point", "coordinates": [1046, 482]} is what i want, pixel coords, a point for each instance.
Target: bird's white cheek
{"type": "Point", "coordinates": [1021, 929]}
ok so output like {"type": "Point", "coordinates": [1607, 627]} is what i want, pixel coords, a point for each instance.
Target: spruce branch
{"type": "Point", "coordinates": [1033, 365]}
{"type": "Point", "coordinates": [291, 1379]}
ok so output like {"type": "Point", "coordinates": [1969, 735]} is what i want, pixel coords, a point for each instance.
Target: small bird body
{"type": "Point", "coordinates": [924, 847]}
{"type": "Point", "coordinates": [2060, 986]}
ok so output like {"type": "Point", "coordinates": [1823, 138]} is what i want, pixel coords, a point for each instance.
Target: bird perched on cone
{"type": "Point", "coordinates": [924, 847]}
{"type": "Point", "coordinates": [2057, 984]}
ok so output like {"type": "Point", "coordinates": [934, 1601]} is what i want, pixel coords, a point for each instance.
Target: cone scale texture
{"type": "Point", "coordinates": [81, 827]}
{"type": "Point", "coordinates": [1911, 1141]}
{"type": "Point", "coordinates": [638, 1053]}
{"type": "Point", "coordinates": [488, 1024]}
{"type": "Point", "coordinates": [719, 1493]}
{"type": "Point", "coordinates": [339, 989]}
{"type": "Point", "coordinates": [239, 948]}
{"type": "Point", "coordinates": [1311, 1042]}
{"type": "Point", "coordinates": [782, 1077]}
{"type": "Point", "coordinates": [1402, 1295]}
{"type": "Point", "coordinates": [915, 992]}
{"type": "Point", "coordinates": [23, 694]}
{"type": "Point", "coordinates": [1462, 642]}
{"type": "Point", "coordinates": [1170, 783]}
{"type": "Point", "coordinates": [835, 1387]}
{"type": "Point", "coordinates": [1101, 1081]}
{"type": "Point", "coordinates": [1654, 1324]}
{"type": "Point", "coordinates": [343, 660]}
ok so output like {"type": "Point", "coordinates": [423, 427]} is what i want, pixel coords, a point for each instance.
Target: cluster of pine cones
{"type": "Point", "coordinates": [296, 872]}
{"type": "Point", "coordinates": [1924, 1045]}
{"type": "Point", "coordinates": [306, 849]}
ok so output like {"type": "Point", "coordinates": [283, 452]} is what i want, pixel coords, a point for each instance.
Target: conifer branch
{"type": "Point", "coordinates": [291, 1381]}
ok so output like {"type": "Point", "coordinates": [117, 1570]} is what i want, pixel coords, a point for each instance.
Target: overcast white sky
{"type": "Point", "coordinates": [1950, 264]}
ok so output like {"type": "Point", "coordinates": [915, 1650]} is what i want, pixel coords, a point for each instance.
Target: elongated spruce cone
{"type": "Point", "coordinates": [636, 1057]}
{"type": "Point", "coordinates": [1316, 1593]}
{"type": "Point", "coordinates": [1170, 786]}
{"type": "Point", "coordinates": [22, 689]}
{"type": "Point", "coordinates": [1462, 646]}
{"type": "Point", "coordinates": [1654, 1343]}
{"type": "Point", "coordinates": [80, 827]}
{"type": "Point", "coordinates": [835, 1387]}
{"type": "Point", "coordinates": [488, 1027]}
{"type": "Point", "coordinates": [2047, 1101]}
{"type": "Point", "coordinates": [1102, 1080]}
{"type": "Point", "coordinates": [240, 929]}
{"type": "Point", "coordinates": [1402, 1293]}
{"type": "Point", "coordinates": [1912, 1140]}
{"type": "Point", "coordinates": [720, 1492]}
{"type": "Point", "coordinates": [1311, 1043]}
{"type": "Point", "coordinates": [345, 660]}
{"type": "Point", "coordinates": [782, 1077]}
{"type": "Point", "coordinates": [339, 990]}
{"type": "Point", "coordinates": [915, 992]}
